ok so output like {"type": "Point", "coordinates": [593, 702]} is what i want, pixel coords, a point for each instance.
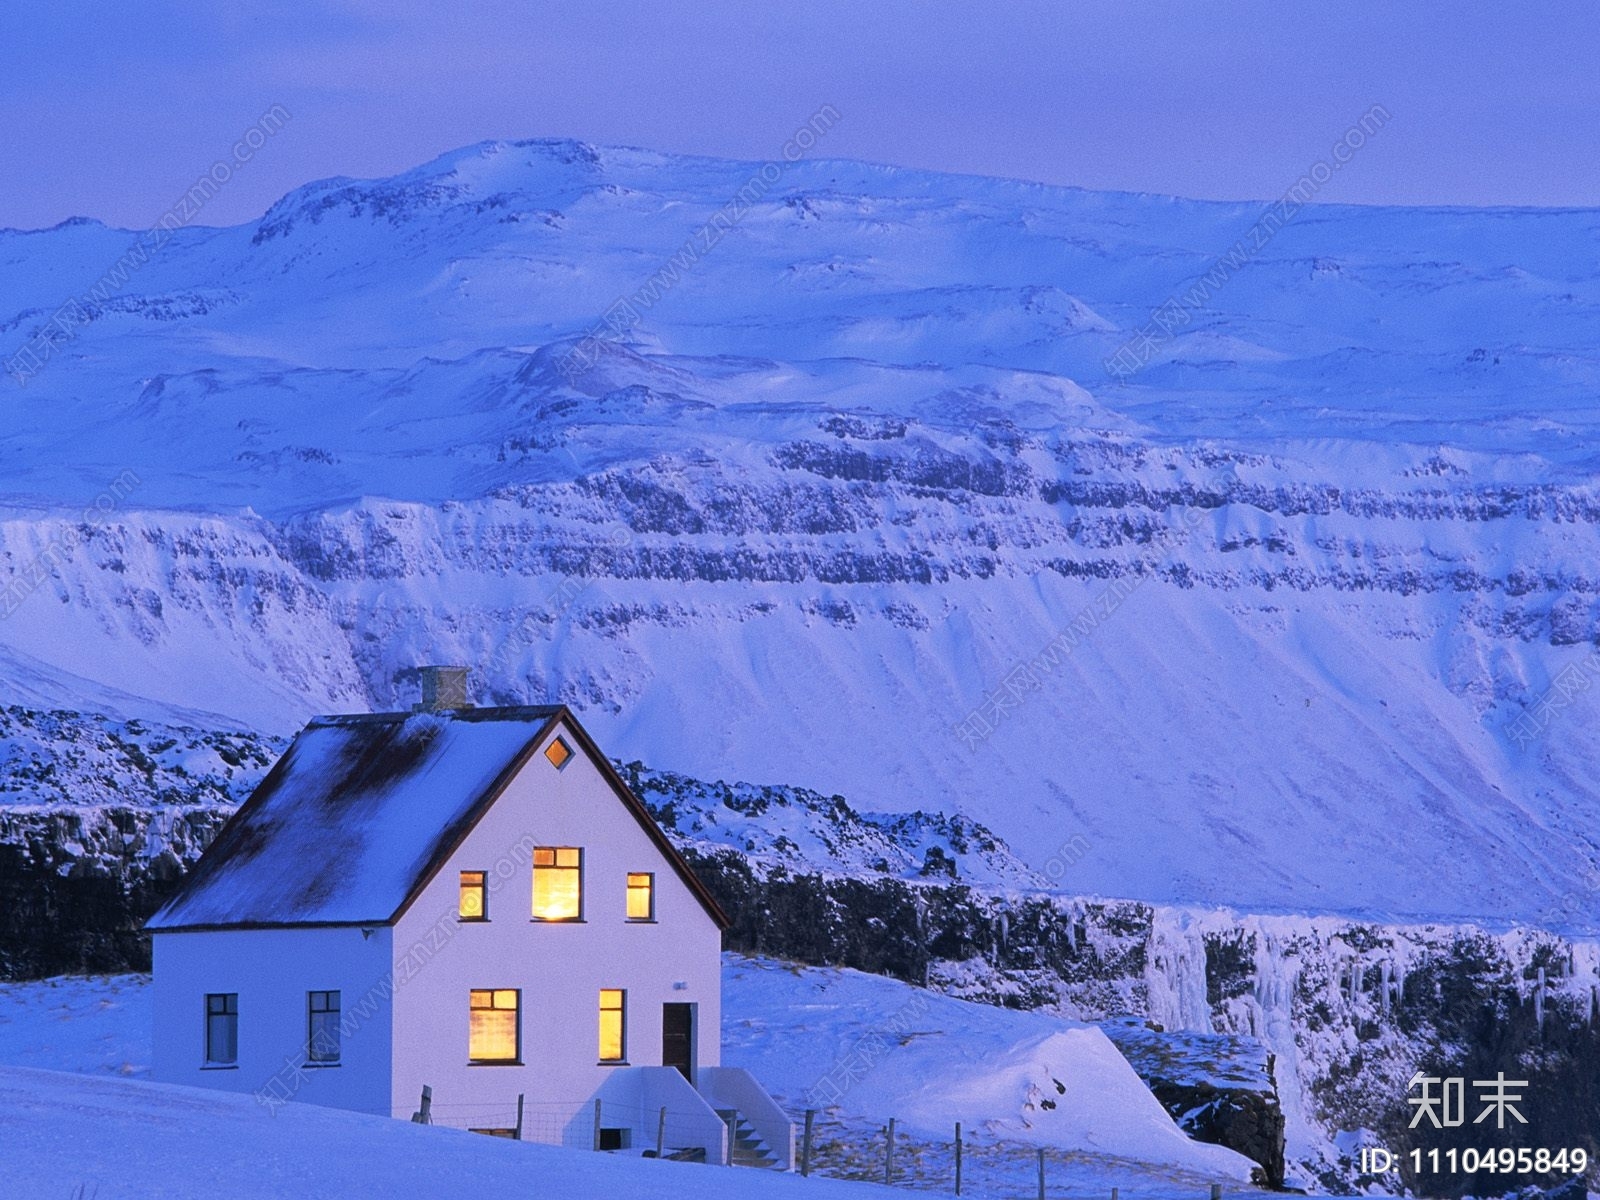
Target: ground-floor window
{"type": "Point", "coordinates": [322, 1027]}
{"type": "Point", "coordinates": [613, 1024]}
{"type": "Point", "coordinates": [222, 1029]}
{"type": "Point", "coordinates": [494, 1032]}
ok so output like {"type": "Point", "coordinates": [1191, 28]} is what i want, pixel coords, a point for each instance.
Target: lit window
{"type": "Point", "coordinates": [322, 1028]}
{"type": "Point", "coordinates": [641, 896]}
{"type": "Point", "coordinates": [222, 1029]}
{"type": "Point", "coordinates": [557, 883]}
{"type": "Point", "coordinates": [612, 1024]}
{"type": "Point", "coordinates": [474, 897]}
{"type": "Point", "coordinates": [492, 1036]}
{"type": "Point", "coordinates": [558, 752]}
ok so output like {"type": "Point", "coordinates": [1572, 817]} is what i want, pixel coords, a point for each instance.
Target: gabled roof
{"type": "Point", "coordinates": [362, 811]}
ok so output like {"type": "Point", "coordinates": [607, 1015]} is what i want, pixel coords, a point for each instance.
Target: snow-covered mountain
{"type": "Point", "coordinates": [848, 465]}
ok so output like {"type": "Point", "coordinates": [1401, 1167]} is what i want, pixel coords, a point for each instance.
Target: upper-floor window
{"type": "Point", "coordinates": [222, 1029]}
{"type": "Point", "coordinates": [641, 896]}
{"type": "Point", "coordinates": [322, 1027]}
{"type": "Point", "coordinates": [557, 883]}
{"type": "Point", "coordinates": [474, 905]}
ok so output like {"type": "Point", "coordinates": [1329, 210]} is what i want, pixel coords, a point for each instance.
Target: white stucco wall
{"type": "Point", "coordinates": [271, 970]}
{"type": "Point", "coordinates": [559, 968]}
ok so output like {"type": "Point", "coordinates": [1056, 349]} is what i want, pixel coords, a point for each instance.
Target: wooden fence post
{"type": "Point", "coordinates": [805, 1143]}
{"type": "Point", "coordinates": [424, 1113]}
{"type": "Point", "coordinates": [1216, 1191]}
{"type": "Point", "coordinates": [597, 1123]}
{"type": "Point", "coordinates": [888, 1154]}
{"type": "Point", "coordinates": [1041, 1173]}
{"type": "Point", "coordinates": [958, 1158]}
{"type": "Point", "coordinates": [520, 1098]}
{"type": "Point", "coordinates": [661, 1131]}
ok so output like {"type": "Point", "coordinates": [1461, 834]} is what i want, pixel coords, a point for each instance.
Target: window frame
{"type": "Point", "coordinates": [229, 1008]}
{"type": "Point", "coordinates": [516, 1059]}
{"type": "Point", "coordinates": [568, 754]}
{"type": "Point", "coordinates": [312, 1012]}
{"type": "Point", "coordinates": [650, 896]}
{"type": "Point", "coordinates": [533, 889]}
{"type": "Point", "coordinates": [621, 1010]}
{"type": "Point", "coordinates": [483, 896]}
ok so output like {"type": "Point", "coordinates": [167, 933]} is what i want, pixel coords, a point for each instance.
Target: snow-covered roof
{"type": "Point", "coordinates": [355, 817]}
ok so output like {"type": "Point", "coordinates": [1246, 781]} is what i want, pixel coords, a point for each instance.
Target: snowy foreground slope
{"type": "Point", "coordinates": [836, 484]}
{"type": "Point", "coordinates": [125, 1140]}
{"type": "Point", "coordinates": [948, 1061]}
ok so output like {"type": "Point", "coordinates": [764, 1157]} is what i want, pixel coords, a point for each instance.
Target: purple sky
{"type": "Point", "coordinates": [112, 111]}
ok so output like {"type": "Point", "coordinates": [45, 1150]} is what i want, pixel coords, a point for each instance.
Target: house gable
{"type": "Point", "coordinates": [565, 726]}
{"type": "Point", "coordinates": [554, 968]}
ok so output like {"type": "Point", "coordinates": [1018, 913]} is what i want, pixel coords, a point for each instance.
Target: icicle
{"type": "Point", "coordinates": [1385, 971]}
{"type": "Point", "coordinates": [1538, 1001]}
{"type": "Point", "coordinates": [1355, 982]}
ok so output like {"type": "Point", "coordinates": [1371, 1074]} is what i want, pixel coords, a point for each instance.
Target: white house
{"type": "Point", "coordinates": [469, 900]}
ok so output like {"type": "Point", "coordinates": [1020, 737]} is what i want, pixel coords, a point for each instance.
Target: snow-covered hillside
{"type": "Point", "coordinates": [1024, 1077]}
{"type": "Point", "coordinates": [824, 509]}
{"type": "Point", "coordinates": [92, 1138]}
{"type": "Point", "coordinates": [945, 1061]}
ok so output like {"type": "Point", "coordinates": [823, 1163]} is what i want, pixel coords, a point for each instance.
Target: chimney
{"type": "Point", "coordinates": [443, 688]}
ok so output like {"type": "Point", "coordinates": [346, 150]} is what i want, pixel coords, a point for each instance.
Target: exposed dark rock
{"type": "Point", "coordinates": [1218, 1088]}
{"type": "Point", "coordinates": [75, 886]}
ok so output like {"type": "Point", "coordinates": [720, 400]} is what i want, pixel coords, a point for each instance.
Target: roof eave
{"type": "Point", "coordinates": [217, 926]}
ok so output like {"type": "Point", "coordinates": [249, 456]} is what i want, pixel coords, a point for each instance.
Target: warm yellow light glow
{"type": "Point", "coordinates": [611, 1014]}
{"type": "Point", "coordinates": [558, 752]}
{"type": "Point", "coordinates": [557, 883]}
{"type": "Point", "coordinates": [492, 1031]}
{"type": "Point", "coordinates": [641, 896]}
{"type": "Point", "coordinates": [472, 893]}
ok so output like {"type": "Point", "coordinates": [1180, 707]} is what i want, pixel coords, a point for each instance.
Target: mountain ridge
{"type": "Point", "coordinates": [841, 485]}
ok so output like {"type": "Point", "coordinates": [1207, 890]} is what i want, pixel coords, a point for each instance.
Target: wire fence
{"type": "Point", "coordinates": [976, 1161]}
{"type": "Point", "coordinates": [548, 1122]}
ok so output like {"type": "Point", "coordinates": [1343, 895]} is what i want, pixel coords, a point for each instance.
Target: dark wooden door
{"type": "Point", "coordinates": [677, 1038]}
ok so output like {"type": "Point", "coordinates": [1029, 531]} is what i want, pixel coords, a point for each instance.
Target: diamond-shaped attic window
{"type": "Point", "coordinates": [558, 752]}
